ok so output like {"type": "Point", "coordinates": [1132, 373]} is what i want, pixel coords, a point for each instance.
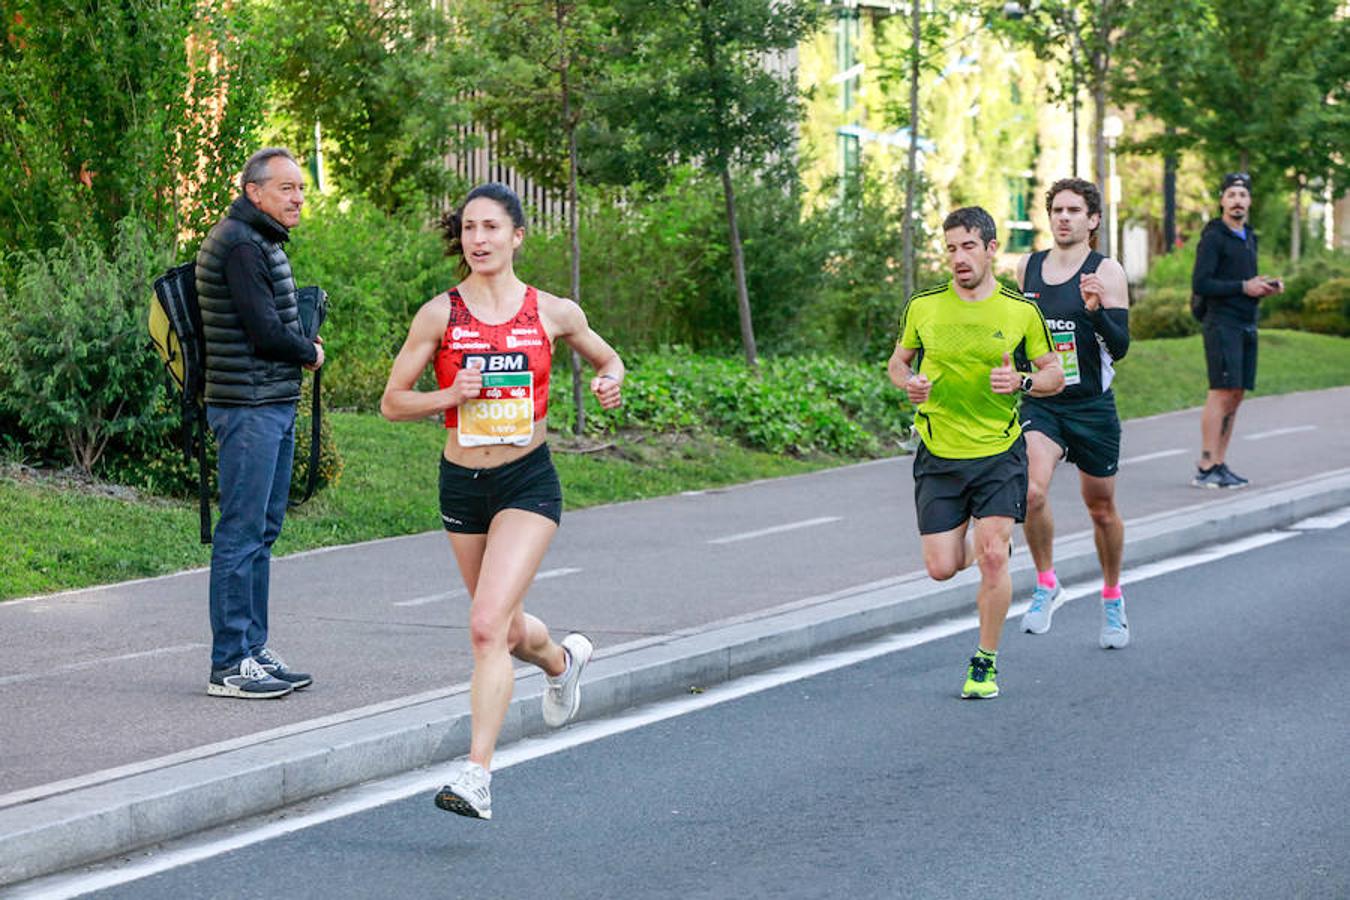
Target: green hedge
{"type": "Point", "coordinates": [798, 404]}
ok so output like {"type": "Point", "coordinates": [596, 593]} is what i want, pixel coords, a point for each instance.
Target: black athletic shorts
{"type": "Point", "coordinates": [1087, 431]}
{"type": "Point", "coordinates": [947, 492]}
{"type": "Point", "coordinates": [1230, 354]}
{"type": "Point", "coordinates": [471, 497]}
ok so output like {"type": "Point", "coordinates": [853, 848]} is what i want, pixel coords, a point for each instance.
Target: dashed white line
{"type": "Point", "coordinates": [93, 663]}
{"type": "Point", "coordinates": [1278, 432]}
{"type": "Point", "coordinates": [462, 592]}
{"type": "Point", "coordinates": [1161, 454]}
{"type": "Point", "coordinates": [777, 529]}
{"type": "Point", "coordinates": [1326, 522]}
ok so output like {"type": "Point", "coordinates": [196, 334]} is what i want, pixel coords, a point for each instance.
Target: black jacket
{"type": "Point", "coordinates": [1222, 262]}
{"type": "Point", "coordinates": [254, 342]}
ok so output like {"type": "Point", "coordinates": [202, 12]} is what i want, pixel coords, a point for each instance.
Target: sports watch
{"type": "Point", "coordinates": [1027, 384]}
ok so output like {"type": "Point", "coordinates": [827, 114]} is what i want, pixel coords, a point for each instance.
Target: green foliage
{"type": "Point", "coordinates": [378, 269]}
{"type": "Point", "coordinates": [798, 405]}
{"type": "Point", "coordinates": [1326, 308]}
{"type": "Point", "coordinates": [138, 108]}
{"type": "Point", "coordinates": [1163, 312]}
{"type": "Point", "coordinates": [386, 81]}
{"type": "Point", "coordinates": [1173, 270]}
{"type": "Point", "coordinates": [73, 350]}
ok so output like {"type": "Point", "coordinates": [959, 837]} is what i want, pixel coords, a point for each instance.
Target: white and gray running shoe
{"type": "Point", "coordinates": [562, 697]}
{"type": "Point", "coordinates": [1115, 627]}
{"type": "Point", "coordinates": [468, 793]}
{"type": "Point", "coordinates": [1044, 600]}
{"type": "Point", "coordinates": [246, 681]}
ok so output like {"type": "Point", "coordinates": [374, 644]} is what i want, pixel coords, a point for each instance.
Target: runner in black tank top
{"type": "Point", "coordinates": [1087, 312]}
{"type": "Point", "coordinates": [1088, 368]}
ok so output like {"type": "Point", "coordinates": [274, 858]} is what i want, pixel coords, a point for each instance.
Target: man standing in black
{"type": "Point", "coordinates": [255, 348]}
{"type": "Point", "coordinates": [1225, 276]}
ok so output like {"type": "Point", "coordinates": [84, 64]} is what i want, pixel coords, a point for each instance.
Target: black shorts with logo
{"type": "Point", "coordinates": [1230, 355]}
{"type": "Point", "coordinates": [947, 492]}
{"type": "Point", "coordinates": [1087, 431]}
{"type": "Point", "coordinates": [471, 497]}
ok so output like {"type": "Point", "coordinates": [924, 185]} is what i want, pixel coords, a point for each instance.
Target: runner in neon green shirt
{"type": "Point", "coordinates": [966, 354]}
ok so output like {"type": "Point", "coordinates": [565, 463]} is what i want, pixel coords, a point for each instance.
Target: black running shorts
{"type": "Point", "coordinates": [471, 497]}
{"type": "Point", "coordinates": [1230, 354]}
{"type": "Point", "coordinates": [1087, 431]}
{"type": "Point", "coordinates": [947, 492]}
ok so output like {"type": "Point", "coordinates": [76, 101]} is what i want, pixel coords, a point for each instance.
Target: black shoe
{"type": "Point", "coordinates": [1234, 478]}
{"type": "Point", "coordinates": [273, 665]}
{"type": "Point", "coordinates": [246, 681]}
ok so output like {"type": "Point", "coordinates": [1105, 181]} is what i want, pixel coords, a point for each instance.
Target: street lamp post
{"type": "Point", "coordinates": [1112, 128]}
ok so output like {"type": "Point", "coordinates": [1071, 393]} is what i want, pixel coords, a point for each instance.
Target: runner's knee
{"type": "Point", "coordinates": [488, 628]}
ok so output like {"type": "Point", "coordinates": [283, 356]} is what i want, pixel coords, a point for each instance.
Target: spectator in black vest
{"type": "Point", "coordinates": [1225, 275]}
{"type": "Point", "coordinates": [255, 348]}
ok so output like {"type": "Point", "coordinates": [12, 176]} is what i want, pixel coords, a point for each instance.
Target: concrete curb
{"type": "Point", "coordinates": [64, 830]}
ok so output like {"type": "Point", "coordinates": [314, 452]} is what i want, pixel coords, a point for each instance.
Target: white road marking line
{"type": "Point", "coordinates": [93, 663]}
{"type": "Point", "coordinates": [1161, 454]}
{"type": "Point", "coordinates": [1262, 435]}
{"type": "Point", "coordinates": [791, 526]}
{"type": "Point", "coordinates": [1325, 522]}
{"type": "Point", "coordinates": [461, 592]}
{"type": "Point", "coordinates": [390, 790]}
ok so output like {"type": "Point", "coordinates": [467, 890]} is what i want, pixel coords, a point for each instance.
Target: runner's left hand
{"type": "Point", "coordinates": [1005, 379]}
{"type": "Point", "coordinates": [1092, 289]}
{"type": "Point", "coordinates": [607, 390]}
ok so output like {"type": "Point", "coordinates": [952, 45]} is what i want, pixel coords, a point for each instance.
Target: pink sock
{"type": "Point", "coordinates": [1047, 579]}
{"type": "Point", "coordinates": [1111, 592]}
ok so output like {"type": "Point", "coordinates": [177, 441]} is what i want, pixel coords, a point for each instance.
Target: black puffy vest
{"type": "Point", "coordinates": [234, 375]}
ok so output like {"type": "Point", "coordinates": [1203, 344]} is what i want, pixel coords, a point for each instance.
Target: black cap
{"type": "Point", "coordinates": [1241, 179]}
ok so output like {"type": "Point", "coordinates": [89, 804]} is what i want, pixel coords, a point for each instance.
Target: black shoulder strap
{"type": "Point", "coordinates": [1094, 259]}
{"type": "Point", "coordinates": [315, 412]}
{"type": "Point", "coordinates": [1032, 275]}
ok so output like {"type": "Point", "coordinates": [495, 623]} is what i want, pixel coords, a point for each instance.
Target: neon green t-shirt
{"type": "Point", "coordinates": [959, 342]}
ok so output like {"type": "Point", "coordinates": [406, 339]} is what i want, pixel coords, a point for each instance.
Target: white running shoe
{"type": "Point", "coordinates": [1036, 620]}
{"type": "Point", "coordinates": [562, 697]}
{"type": "Point", "coordinates": [468, 793]}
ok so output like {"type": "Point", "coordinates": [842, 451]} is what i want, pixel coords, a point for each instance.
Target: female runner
{"type": "Point", "coordinates": [490, 339]}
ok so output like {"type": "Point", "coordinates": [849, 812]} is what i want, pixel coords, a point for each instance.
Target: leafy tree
{"type": "Point", "coordinates": [1251, 85]}
{"type": "Point", "coordinates": [388, 81]}
{"type": "Point", "coordinates": [699, 84]}
{"type": "Point", "coordinates": [141, 107]}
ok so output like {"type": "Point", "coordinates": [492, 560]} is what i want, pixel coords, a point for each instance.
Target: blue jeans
{"type": "Point", "coordinates": [256, 448]}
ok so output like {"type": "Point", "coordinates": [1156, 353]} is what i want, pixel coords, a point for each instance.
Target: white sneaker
{"type": "Point", "coordinates": [468, 793]}
{"type": "Point", "coordinates": [562, 697]}
{"type": "Point", "coordinates": [1044, 601]}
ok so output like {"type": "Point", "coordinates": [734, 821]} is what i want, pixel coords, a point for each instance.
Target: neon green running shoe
{"type": "Point", "coordinates": [981, 680]}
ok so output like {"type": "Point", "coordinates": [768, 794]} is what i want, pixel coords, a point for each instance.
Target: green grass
{"type": "Point", "coordinates": [1168, 374]}
{"type": "Point", "coordinates": [57, 537]}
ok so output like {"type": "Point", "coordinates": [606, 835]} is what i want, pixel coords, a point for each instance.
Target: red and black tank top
{"type": "Point", "coordinates": [515, 358]}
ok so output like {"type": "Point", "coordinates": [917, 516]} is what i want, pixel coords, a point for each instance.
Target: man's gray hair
{"type": "Point", "coordinates": [255, 170]}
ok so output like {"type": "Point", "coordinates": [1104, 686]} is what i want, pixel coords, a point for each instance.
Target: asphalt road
{"type": "Point", "coordinates": [1207, 760]}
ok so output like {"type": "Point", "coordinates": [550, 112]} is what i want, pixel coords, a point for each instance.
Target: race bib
{"type": "Point", "coordinates": [1066, 345]}
{"type": "Point", "coordinates": [502, 413]}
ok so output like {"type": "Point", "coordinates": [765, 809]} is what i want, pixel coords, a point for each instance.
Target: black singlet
{"type": "Point", "coordinates": [1087, 366]}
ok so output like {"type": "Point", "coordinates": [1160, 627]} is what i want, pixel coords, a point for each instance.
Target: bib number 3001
{"type": "Point", "coordinates": [502, 413]}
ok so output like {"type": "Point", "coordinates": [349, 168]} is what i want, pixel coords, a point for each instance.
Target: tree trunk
{"type": "Point", "coordinates": [573, 215]}
{"type": "Point", "coordinates": [911, 180]}
{"type": "Point", "coordinates": [1170, 197]}
{"type": "Point", "coordinates": [1296, 224]}
{"type": "Point", "coordinates": [738, 267]}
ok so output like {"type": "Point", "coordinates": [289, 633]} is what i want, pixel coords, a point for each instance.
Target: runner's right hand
{"type": "Point", "coordinates": [467, 385]}
{"type": "Point", "coordinates": [918, 387]}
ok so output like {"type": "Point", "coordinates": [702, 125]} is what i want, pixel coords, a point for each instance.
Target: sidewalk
{"type": "Point", "coordinates": [109, 741]}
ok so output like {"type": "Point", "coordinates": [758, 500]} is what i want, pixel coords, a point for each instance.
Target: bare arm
{"type": "Point", "coordinates": [402, 401]}
{"type": "Point", "coordinates": [916, 387]}
{"type": "Point", "coordinates": [566, 320]}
